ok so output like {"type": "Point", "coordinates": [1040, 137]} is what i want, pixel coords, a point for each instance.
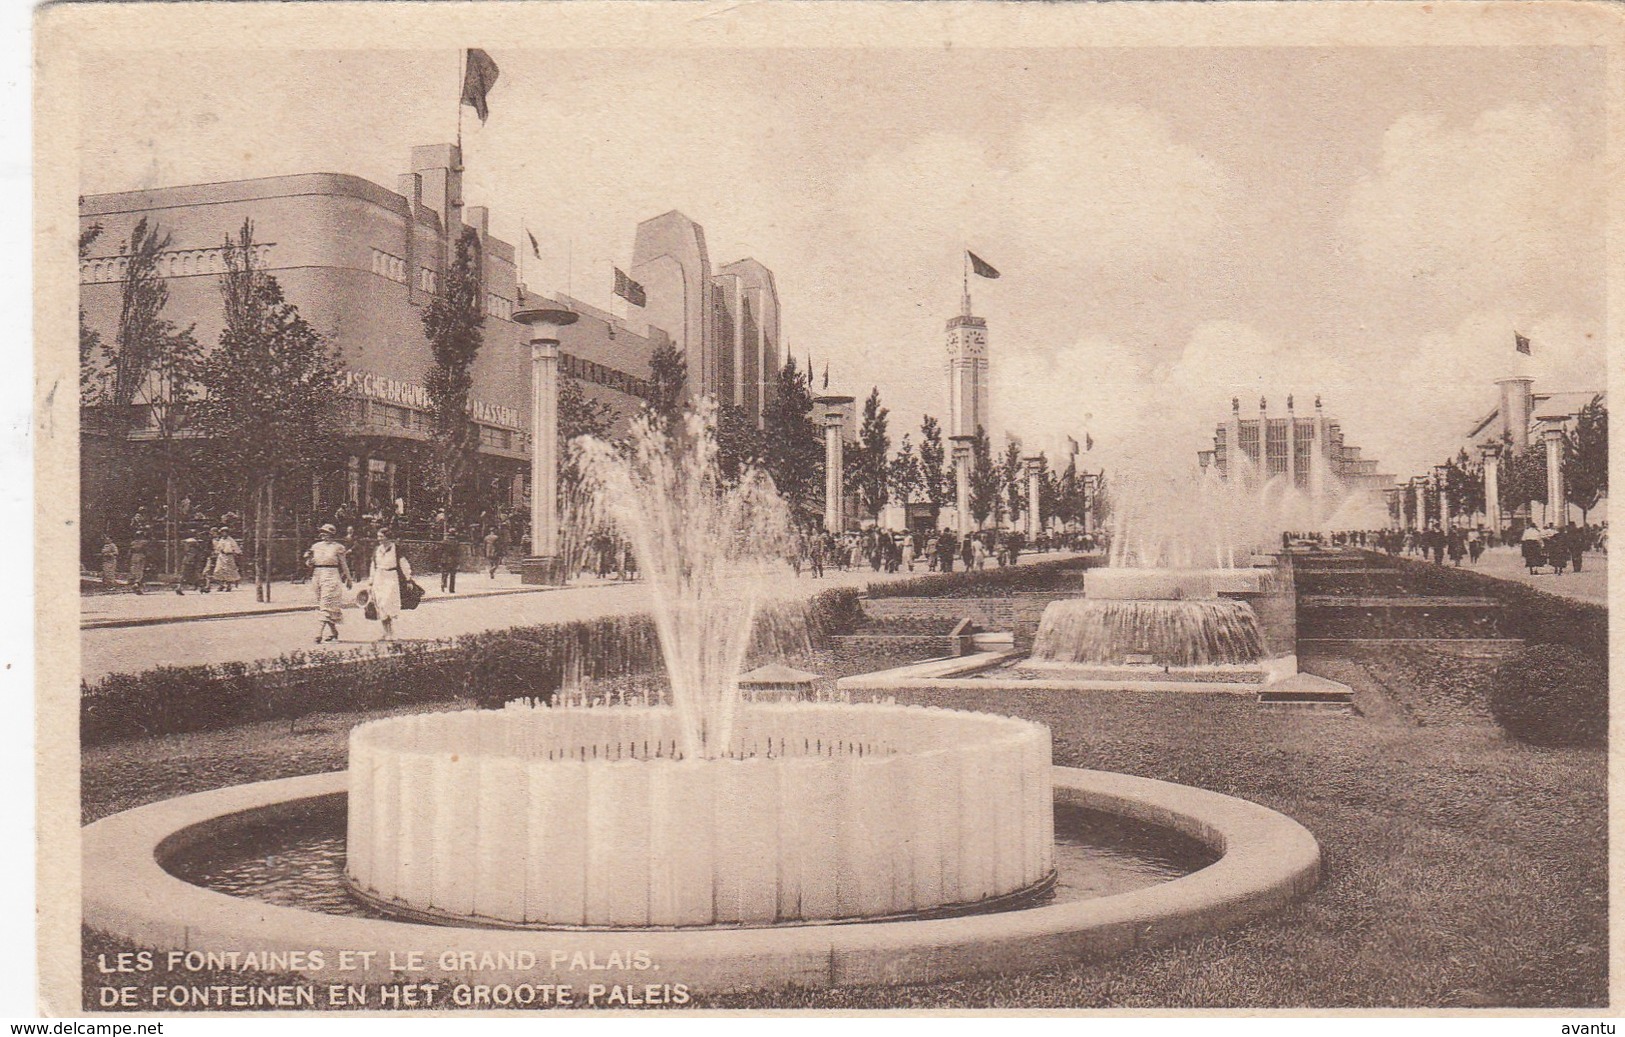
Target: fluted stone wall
{"type": "Point", "coordinates": [585, 817]}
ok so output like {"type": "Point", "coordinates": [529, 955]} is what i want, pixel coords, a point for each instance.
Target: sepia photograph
{"type": "Point", "coordinates": [824, 507]}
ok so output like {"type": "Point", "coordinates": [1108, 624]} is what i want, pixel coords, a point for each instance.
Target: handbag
{"type": "Point", "coordinates": [411, 592]}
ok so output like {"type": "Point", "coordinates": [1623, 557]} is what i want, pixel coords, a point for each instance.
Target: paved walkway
{"type": "Point", "coordinates": [188, 635]}
{"type": "Point", "coordinates": [1506, 563]}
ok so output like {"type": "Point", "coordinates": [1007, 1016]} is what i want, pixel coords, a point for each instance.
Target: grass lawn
{"type": "Point", "coordinates": [1460, 869]}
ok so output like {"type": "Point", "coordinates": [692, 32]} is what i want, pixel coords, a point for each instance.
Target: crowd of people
{"type": "Point", "coordinates": [940, 550]}
{"type": "Point", "coordinates": [1544, 548]}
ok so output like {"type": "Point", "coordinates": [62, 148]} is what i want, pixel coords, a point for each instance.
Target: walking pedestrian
{"type": "Point", "coordinates": [451, 554]}
{"type": "Point", "coordinates": [1534, 553]}
{"type": "Point", "coordinates": [192, 559]}
{"type": "Point", "coordinates": [138, 561]}
{"type": "Point", "coordinates": [109, 562]}
{"type": "Point", "coordinates": [329, 572]}
{"type": "Point", "coordinates": [1577, 538]}
{"type": "Point", "coordinates": [491, 556]}
{"type": "Point", "coordinates": [226, 552]}
{"type": "Point", "coordinates": [389, 570]}
{"type": "Point", "coordinates": [1557, 549]}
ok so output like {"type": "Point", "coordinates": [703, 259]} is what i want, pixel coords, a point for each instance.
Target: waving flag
{"type": "Point", "coordinates": [535, 249]}
{"type": "Point", "coordinates": [979, 266]}
{"type": "Point", "coordinates": [479, 76]}
{"type": "Point", "coordinates": [629, 289]}
{"type": "Point", "coordinates": [1522, 344]}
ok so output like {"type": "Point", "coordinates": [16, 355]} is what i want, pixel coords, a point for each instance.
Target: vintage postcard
{"type": "Point", "coordinates": [825, 507]}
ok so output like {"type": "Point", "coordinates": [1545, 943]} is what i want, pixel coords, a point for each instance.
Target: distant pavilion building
{"type": "Point", "coordinates": [1302, 447]}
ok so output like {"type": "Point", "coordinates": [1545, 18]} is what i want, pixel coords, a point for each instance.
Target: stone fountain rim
{"type": "Point", "coordinates": [1266, 860]}
{"type": "Point", "coordinates": [999, 728]}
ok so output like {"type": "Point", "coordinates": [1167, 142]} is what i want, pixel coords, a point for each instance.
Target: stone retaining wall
{"type": "Point", "coordinates": [1018, 613]}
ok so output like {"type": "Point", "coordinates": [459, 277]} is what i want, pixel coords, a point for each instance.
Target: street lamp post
{"type": "Point", "coordinates": [543, 565]}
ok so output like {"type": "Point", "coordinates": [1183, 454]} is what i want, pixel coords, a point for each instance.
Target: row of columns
{"type": "Point", "coordinates": [962, 457]}
{"type": "Point", "coordinates": [1491, 453]}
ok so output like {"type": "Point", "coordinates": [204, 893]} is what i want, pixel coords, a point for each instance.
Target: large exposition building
{"type": "Point", "coordinates": [1292, 445]}
{"type": "Point", "coordinates": [361, 262]}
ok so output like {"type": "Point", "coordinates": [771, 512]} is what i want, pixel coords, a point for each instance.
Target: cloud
{"type": "Point", "coordinates": [1506, 209]}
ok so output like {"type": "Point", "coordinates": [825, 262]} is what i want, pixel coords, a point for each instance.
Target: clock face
{"type": "Point", "coordinates": [974, 343]}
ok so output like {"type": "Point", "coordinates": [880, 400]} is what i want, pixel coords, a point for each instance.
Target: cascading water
{"type": "Point", "coordinates": [1116, 632]}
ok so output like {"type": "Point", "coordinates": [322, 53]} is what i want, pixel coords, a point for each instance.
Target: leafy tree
{"type": "Point", "coordinates": [668, 383]}
{"type": "Point", "coordinates": [90, 341]}
{"type": "Point", "coordinates": [269, 388]}
{"type": "Point", "coordinates": [1585, 477]}
{"type": "Point", "coordinates": [874, 445]}
{"type": "Point", "coordinates": [935, 483]}
{"type": "Point", "coordinates": [1523, 478]}
{"type": "Point", "coordinates": [1464, 480]}
{"type": "Point", "coordinates": [149, 373]}
{"type": "Point", "coordinates": [903, 474]}
{"type": "Point", "coordinates": [986, 481]}
{"type": "Point", "coordinates": [740, 444]}
{"type": "Point", "coordinates": [1013, 475]}
{"type": "Point", "coordinates": [1068, 494]}
{"type": "Point", "coordinates": [579, 415]}
{"type": "Point", "coordinates": [793, 451]}
{"type": "Point", "coordinates": [452, 323]}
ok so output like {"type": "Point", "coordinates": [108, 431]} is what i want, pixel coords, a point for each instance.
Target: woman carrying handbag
{"type": "Point", "coordinates": [391, 573]}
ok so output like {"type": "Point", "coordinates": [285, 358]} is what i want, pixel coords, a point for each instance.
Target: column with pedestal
{"type": "Point", "coordinates": [1557, 511]}
{"type": "Point", "coordinates": [543, 565]}
{"type": "Point", "coordinates": [834, 466]}
{"type": "Point", "coordinates": [1492, 488]}
{"type": "Point", "coordinates": [962, 461]}
{"type": "Point", "coordinates": [1035, 490]}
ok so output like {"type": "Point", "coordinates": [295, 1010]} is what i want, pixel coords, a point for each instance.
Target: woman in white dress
{"type": "Point", "coordinates": [226, 553]}
{"type": "Point", "coordinates": [389, 568]}
{"type": "Point", "coordinates": [329, 573]}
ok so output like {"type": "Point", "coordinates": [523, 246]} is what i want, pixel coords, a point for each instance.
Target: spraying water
{"type": "Point", "coordinates": [707, 548]}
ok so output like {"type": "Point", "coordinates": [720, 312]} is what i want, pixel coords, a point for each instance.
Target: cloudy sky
{"type": "Point", "coordinates": [1174, 226]}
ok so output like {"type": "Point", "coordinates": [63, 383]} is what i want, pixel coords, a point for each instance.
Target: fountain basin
{"type": "Point", "coordinates": [1266, 859]}
{"type": "Point", "coordinates": [586, 818]}
{"type": "Point", "coordinates": [1120, 583]}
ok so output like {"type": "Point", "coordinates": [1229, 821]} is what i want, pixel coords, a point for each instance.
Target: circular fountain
{"type": "Point", "coordinates": [709, 844]}
{"type": "Point", "coordinates": [592, 818]}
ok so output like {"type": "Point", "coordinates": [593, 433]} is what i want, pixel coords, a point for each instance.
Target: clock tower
{"type": "Point", "coordinates": [967, 373]}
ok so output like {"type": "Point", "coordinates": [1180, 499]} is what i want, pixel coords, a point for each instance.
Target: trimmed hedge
{"type": "Point", "coordinates": [1551, 694]}
{"type": "Point", "coordinates": [1530, 614]}
{"type": "Point", "coordinates": [490, 668]}
{"type": "Point", "coordinates": [1055, 574]}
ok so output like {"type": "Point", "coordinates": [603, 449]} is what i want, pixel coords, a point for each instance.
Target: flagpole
{"type": "Point", "coordinates": [462, 66]}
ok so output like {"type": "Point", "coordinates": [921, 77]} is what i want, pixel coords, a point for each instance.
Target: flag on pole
{"type": "Point", "coordinates": [535, 249]}
{"type": "Point", "coordinates": [826, 374]}
{"type": "Point", "coordinates": [479, 76]}
{"type": "Point", "coordinates": [979, 266]}
{"type": "Point", "coordinates": [1071, 446]}
{"type": "Point", "coordinates": [1522, 344]}
{"type": "Point", "coordinates": [1088, 442]}
{"type": "Point", "coordinates": [629, 289]}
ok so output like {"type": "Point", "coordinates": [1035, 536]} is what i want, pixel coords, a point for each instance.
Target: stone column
{"type": "Point", "coordinates": [1557, 510]}
{"type": "Point", "coordinates": [1291, 445]}
{"type": "Point", "coordinates": [834, 468]}
{"type": "Point", "coordinates": [543, 564]}
{"type": "Point", "coordinates": [1441, 480]}
{"type": "Point", "coordinates": [1492, 489]}
{"type": "Point", "coordinates": [962, 459]}
{"type": "Point", "coordinates": [1035, 488]}
{"type": "Point", "coordinates": [1419, 486]}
